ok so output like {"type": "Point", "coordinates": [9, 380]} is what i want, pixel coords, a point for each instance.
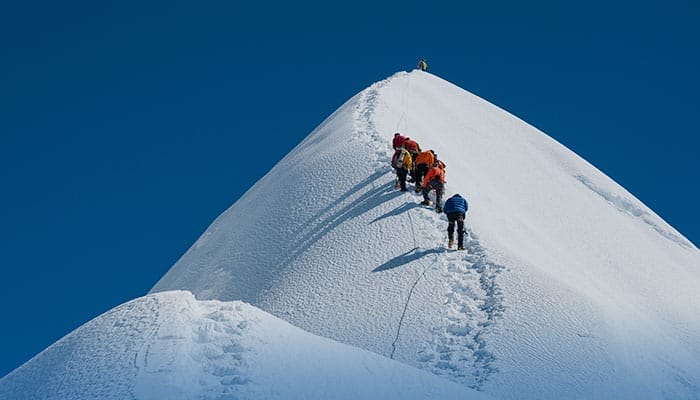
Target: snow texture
{"type": "Point", "coordinates": [171, 346]}
{"type": "Point", "coordinates": [570, 287]}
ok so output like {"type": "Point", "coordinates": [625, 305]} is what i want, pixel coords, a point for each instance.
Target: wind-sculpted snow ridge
{"type": "Point", "coordinates": [171, 346]}
{"type": "Point", "coordinates": [625, 205]}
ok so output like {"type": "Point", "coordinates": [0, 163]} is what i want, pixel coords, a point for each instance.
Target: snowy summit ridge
{"type": "Point", "coordinates": [570, 287]}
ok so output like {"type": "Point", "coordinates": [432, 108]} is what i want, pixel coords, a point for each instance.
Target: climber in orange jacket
{"type": "Point", "coordinates": [434, 179]}
{"type": "Point", "coordinates": [422, 166]}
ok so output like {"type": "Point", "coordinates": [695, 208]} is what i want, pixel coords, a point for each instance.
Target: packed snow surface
{"type": "Point", "coordinates": [570, 287]}
{"type": "Point", "coordinates": [171, 346]}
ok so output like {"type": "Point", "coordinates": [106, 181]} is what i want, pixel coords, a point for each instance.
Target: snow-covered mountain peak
{"type": "Point", "coordinates": [563, 265]}
{"type": "Point", "coordinates": [569, 287]}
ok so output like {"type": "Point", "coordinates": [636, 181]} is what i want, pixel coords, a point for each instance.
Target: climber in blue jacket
{"type": "Point", "coordinates": [456, 210]}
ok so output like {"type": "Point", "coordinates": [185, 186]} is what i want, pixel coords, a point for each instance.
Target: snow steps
{"type": "Point", "coordinates": [200, 340]}
{"type": "Point", "coordinates": [473, 301]}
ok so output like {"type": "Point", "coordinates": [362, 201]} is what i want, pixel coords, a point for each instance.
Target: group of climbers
{"type": "Point", "coordinates": [423, 167]}
{"type": "Point", "coordinates": [428, 173]}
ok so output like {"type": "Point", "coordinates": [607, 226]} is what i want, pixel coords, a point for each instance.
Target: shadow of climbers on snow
{"type": "Point", "coordinates": [350, 192]}
{"type": "Point", "coordinates": [397, 211]}
{"type": "Point", "coordinates": [407, 257]}
{"type": "Point", "coordinates": [364, 202]}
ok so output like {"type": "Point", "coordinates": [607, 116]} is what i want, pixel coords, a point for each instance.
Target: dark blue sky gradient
{"type": "Point", "coordinates": [127, 128]}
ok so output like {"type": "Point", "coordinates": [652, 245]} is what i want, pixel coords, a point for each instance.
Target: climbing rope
{"type": "Point", "coordinates": [405, 97]}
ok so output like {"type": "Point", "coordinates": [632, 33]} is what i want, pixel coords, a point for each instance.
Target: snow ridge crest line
{"type": "Point", "coordinates": [627, 206]}
{"type": "Point", "coordinates": [459, 349]}
{"type": "Point", "coordinates": [365, 127]}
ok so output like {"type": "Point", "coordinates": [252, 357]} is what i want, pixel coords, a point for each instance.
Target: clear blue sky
{"type": "Point", "coordinates": [128, 127]}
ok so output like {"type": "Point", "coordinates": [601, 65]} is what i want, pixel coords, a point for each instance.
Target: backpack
{"type": "Point", "coordinates": [435, 178]}
{"type": "Point", "coordinates": [399, 157]}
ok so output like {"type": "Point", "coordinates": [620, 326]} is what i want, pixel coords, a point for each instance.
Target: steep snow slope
{"type": "Point", "coordinates": [171, 346]}
{"type": "Point", "coordinates": [570, 288]}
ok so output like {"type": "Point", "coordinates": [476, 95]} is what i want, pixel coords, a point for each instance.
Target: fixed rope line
{"type": "Point", "coordinates": [405, 307]}
{"type": "Point", "coordinates": [410, 292]}
{"type": "Point", "coordinates": [404, 101]}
